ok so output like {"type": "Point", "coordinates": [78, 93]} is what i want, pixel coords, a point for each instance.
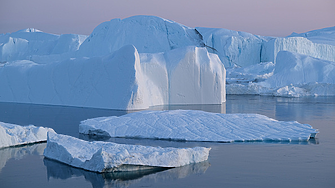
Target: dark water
{"type": "Point", "coordinates": [258, 164]}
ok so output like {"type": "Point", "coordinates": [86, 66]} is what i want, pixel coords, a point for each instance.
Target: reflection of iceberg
{"type": "Point", "coordinates": [19, 152]}
{"type": "Point", "coordinates": [122, 179]}
{"type": "Point", "coordinates": [107, 156]}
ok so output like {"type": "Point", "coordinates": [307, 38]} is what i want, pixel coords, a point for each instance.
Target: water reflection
{"type": "Point", "coordinates": [19, 152]}
{"type": "Point", "coordinates": [215, 108]}
{"type": "Point", "coordinates": [122, 179]}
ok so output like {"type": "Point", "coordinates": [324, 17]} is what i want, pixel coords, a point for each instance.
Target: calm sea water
{"type": "Point", "coordinates": [253, 164]}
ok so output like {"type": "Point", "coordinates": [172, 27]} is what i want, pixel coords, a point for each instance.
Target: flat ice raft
{"type": "Point", "coordinates": [192, 125]}
{"type": "Point", "coordinates": [107, 156]}
{"type": "Point", "coordinates": [13, 135]}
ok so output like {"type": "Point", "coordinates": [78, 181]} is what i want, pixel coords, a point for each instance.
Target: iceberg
{"type": "Point", "coordinates": [293, 75]}
{"type": "Point", "coordinates": [29, 43]}
{"type": "Point", "coordinates": [234, 48]}
{"type": "Point", "coordinates": [300, 75]}
{"type": "Point", "coordinates": [123, 80]}
{"type": "Point", "coordinates": [322, 36]}
{"type": "Point", "coordinates": [14, 135]}
{"type": "Point", "coordinates": [109, 157]}
{"type": "Point", "coordinates": [192, 125]}
{"type": "Point", "coordinates": [298, 45]}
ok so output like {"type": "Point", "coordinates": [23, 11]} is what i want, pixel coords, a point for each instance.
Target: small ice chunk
{"type": "Point", "coordinates": [100, 156]}
{"type": "Point", "coordinates": [13, 135]}
{"type": "Point", "coordinates": [191, 125]}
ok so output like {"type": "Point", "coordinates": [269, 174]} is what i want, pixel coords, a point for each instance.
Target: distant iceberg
{"type": "Point", "coordinates": [107, 156]}
{"type": "Point", "coordinates": [191, 125]}
{"type": "Point", "coordinates": [14, 135]}
{"type": "Point", "coordinates": [293, 75]}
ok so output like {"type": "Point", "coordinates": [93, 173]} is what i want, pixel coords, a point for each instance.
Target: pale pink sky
{"type": "Point", "coordinates": [263, 17]}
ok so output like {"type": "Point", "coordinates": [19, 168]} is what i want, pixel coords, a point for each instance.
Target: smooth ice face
{"type": "Point", "coordinates": [191, 125]}
{"type": "Point", "coordinates": [107, 156]}
{"type": "Point", "coordinates": [188, 75]}
{"type": "Point", "coordinates": [13, 135]}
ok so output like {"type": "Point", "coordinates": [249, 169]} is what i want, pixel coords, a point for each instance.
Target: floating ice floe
{"type": "Point", "coordinates": [107, 156]}
{"type": "Point", "coordinates": [13, 135]}
{"type": "Point", "coordinates": [191, 125]}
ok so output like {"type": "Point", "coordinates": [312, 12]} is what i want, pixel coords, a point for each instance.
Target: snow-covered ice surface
{"type": "Point", "coordinates": [107, 156]}
{"type": "Point", "coordinates": [123, 80]}
{"type": "Point", "coordinates": [13, 135]}
{"type": "Point", "coordinates": [191, 125]}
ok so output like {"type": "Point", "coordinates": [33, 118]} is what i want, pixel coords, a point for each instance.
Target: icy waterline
{"type": "Point", "coordinates": [192, 125]}
{"type": "Point", "coordinates": [108, 157]}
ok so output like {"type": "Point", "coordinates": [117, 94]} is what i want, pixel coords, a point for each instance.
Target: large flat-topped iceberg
{"type": "Point", "coordinates": [13, 135]}
{"type": "Point", "coordinates": [107, 156]}
{"type": "Point", "coordinates": [123, 80]}
{"type": "Point", "coordinates": [191, 125]}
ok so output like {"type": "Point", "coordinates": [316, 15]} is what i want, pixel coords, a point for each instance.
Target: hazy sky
{"type": "Point", "coordinates": [263, 17]}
